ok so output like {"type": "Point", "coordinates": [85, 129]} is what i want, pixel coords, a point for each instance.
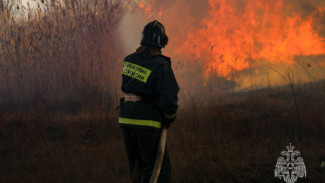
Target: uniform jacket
{"type": "Point", "coordinates": [152, 79]}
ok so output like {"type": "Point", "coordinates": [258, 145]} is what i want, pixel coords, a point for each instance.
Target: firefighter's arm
{"type": "Point", "coordinates": [168, 89]}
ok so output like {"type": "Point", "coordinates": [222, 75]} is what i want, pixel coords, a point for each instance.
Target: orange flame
{"type": "Point", "coordinates": [234, 38]}
{"type": "Point", "coordinates": [236, 35]}
{"type": "Point", "coordinates": [146, 9]}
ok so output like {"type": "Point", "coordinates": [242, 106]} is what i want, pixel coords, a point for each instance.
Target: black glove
{"type": "Point", "coordinates": [169, 119]}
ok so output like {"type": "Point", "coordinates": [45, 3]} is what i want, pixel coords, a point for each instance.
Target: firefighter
{"type": "Point", "coordinates": [149, 104]}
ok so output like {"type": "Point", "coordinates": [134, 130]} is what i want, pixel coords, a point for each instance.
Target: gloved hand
{"type": "Point", "coordinates": [169, 119]}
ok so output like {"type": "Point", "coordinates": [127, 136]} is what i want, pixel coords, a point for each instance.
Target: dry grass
{"type": "Point", "coordinates": [62, 58]}
{"type": "Point", "coordinates": [239, 141]}
{"type": "Point", "coordinates": [236, 141]}
{"type": "Point", "coordinates": [58, 123]}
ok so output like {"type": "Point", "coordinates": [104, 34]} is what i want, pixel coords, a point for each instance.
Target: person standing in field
{"type": "Point", "coordinates": [150, 104]}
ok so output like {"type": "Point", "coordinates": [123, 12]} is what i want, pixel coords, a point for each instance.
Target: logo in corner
{"type": "Point", "coordinates": [290, 166]}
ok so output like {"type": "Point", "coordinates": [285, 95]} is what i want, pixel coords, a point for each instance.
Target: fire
{"type": "Point", "coordinates": [229, 37]}
{"type": "Point", "coordinates": [233, 38]}
{"type": "Point", "coordinates": [147, 9]}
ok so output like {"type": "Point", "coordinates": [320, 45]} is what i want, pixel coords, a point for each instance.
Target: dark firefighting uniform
{"type": "Point", "coordinates": [153, 80]}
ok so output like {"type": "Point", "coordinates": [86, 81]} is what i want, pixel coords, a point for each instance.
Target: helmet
{"type": "Point", "coordinates": [154, 35]}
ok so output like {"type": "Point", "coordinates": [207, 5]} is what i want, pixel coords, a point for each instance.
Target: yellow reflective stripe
{"type": "Point", "coordinates": [136, 71]}
{"type": "Point", "coordinates": [140, 122]}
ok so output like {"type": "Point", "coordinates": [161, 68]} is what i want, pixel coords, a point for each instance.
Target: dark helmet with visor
{"type": "Point", "coordinates": [154, 35]}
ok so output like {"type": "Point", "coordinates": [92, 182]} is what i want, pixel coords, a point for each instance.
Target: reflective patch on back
{"type": "Point", "coordinates": [136, 71]}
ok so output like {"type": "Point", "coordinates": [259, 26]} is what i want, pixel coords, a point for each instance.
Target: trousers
{"type": "Point", "coordinates": [141, 146]}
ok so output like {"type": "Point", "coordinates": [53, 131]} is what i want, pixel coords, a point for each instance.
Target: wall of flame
{"type": "Point", "coordinates": [246, 42]}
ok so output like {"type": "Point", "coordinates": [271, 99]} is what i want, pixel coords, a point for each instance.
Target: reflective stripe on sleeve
{"type": "Point", "coordinates": [140, 122]}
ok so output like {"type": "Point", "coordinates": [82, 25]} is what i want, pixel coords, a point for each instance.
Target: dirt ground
{"type": "Point", "coordinates": [235, 141]}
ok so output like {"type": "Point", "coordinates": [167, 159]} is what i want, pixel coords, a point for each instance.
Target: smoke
{"type": "Point", "coordinates": [178, 17]}
{"type": "Point", "coordinates": [129, 30]}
